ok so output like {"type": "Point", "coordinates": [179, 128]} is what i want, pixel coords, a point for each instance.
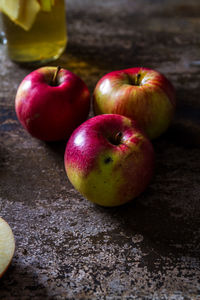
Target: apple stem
{"type": "Point", "coordinates": [115, 139]}
{"type": "Point", "coordinates": [118, 137]}
{"type": "Point", "coordinates": [54, 80]}
{"type": "Point", "coordinates": [138, 78]}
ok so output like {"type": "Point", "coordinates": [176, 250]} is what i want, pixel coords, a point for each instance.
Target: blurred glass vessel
{"type": "Point", "coordinates": [35, 30]}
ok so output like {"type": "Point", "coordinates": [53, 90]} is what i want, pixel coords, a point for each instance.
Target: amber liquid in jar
{"type": "Point", "coordinates": [44, 41]}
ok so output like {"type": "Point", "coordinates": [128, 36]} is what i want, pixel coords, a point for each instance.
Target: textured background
{"type": "Point", "coordinates": [68, 248]}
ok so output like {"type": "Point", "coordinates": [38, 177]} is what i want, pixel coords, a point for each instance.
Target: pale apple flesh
{"type": "Point", "coordinates": [142, 94]}
{"type": "Point", "coordinates": [109, 160]}
{"type": "Point", "coordinates": [51, 109]}
{"type": "Point", "coordinates": [7, 246]}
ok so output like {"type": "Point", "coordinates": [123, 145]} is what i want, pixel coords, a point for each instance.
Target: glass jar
{"type": "Point", "coordinates": [37, 35]}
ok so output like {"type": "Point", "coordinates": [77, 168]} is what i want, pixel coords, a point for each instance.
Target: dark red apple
{"type": "Point", "coordinates": [51, 102]}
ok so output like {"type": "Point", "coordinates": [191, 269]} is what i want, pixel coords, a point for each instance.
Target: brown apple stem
{"type": "Point", "coordinates": [54, 80]}
{"type": "Point", "coordinates": [118, 137]}
{"type": "Point", "coordinates": [137, 79]}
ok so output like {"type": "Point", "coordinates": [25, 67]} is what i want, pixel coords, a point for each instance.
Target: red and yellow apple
{"type": "Point", "coordinates": [109, 160]}
{"type": "Point", "coordinates": [51, 102]}
{"type": "Point", "coordinates": [7, 246]}
{"type": "Point", "coordinates": [142, 94]}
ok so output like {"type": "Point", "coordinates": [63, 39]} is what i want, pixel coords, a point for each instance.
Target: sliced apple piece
{"type": "Point", "coordinates": [46, 5]}
{"type": "Point", "coordinates": [11, 8]}
{"type": "Point", "coordinates": [21, 12]}
{"type": "Point", "coordinates": [28, 13]}
{"type": "Point", "coordinates": [7, 246]}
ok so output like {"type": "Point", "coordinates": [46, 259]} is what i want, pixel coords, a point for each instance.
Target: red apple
{"type": "Point", "coordinates": [142, 94]}
{"type": "Point", "coordinates": [109, 160]}
{"type": "Point", "coordinates": [51, 102]}
{"type": "Point", "coordinates": [7, 246]}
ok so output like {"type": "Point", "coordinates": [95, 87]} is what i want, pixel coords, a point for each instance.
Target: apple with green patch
{"type": "Point", "coordinates": [143, 94]}
{"type": "Point", "coordinates": [109, 160]}
{"type": "Point", "coordinates": [7, 246]}
{"type": "Point", "coordinates": [51, 102]}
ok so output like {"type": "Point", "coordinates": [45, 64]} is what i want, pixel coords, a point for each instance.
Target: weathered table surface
{"type": "Point", "coordinates": [68, 248]}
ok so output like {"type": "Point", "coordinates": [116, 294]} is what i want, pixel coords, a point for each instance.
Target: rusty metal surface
{"type": "Point", "coordinates": [68, 248]}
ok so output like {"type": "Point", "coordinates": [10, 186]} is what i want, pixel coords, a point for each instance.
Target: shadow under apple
{"type": "Point", "coordinates": [167, 214]}
{"type": "Point", "coordinates": [22, 283]}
